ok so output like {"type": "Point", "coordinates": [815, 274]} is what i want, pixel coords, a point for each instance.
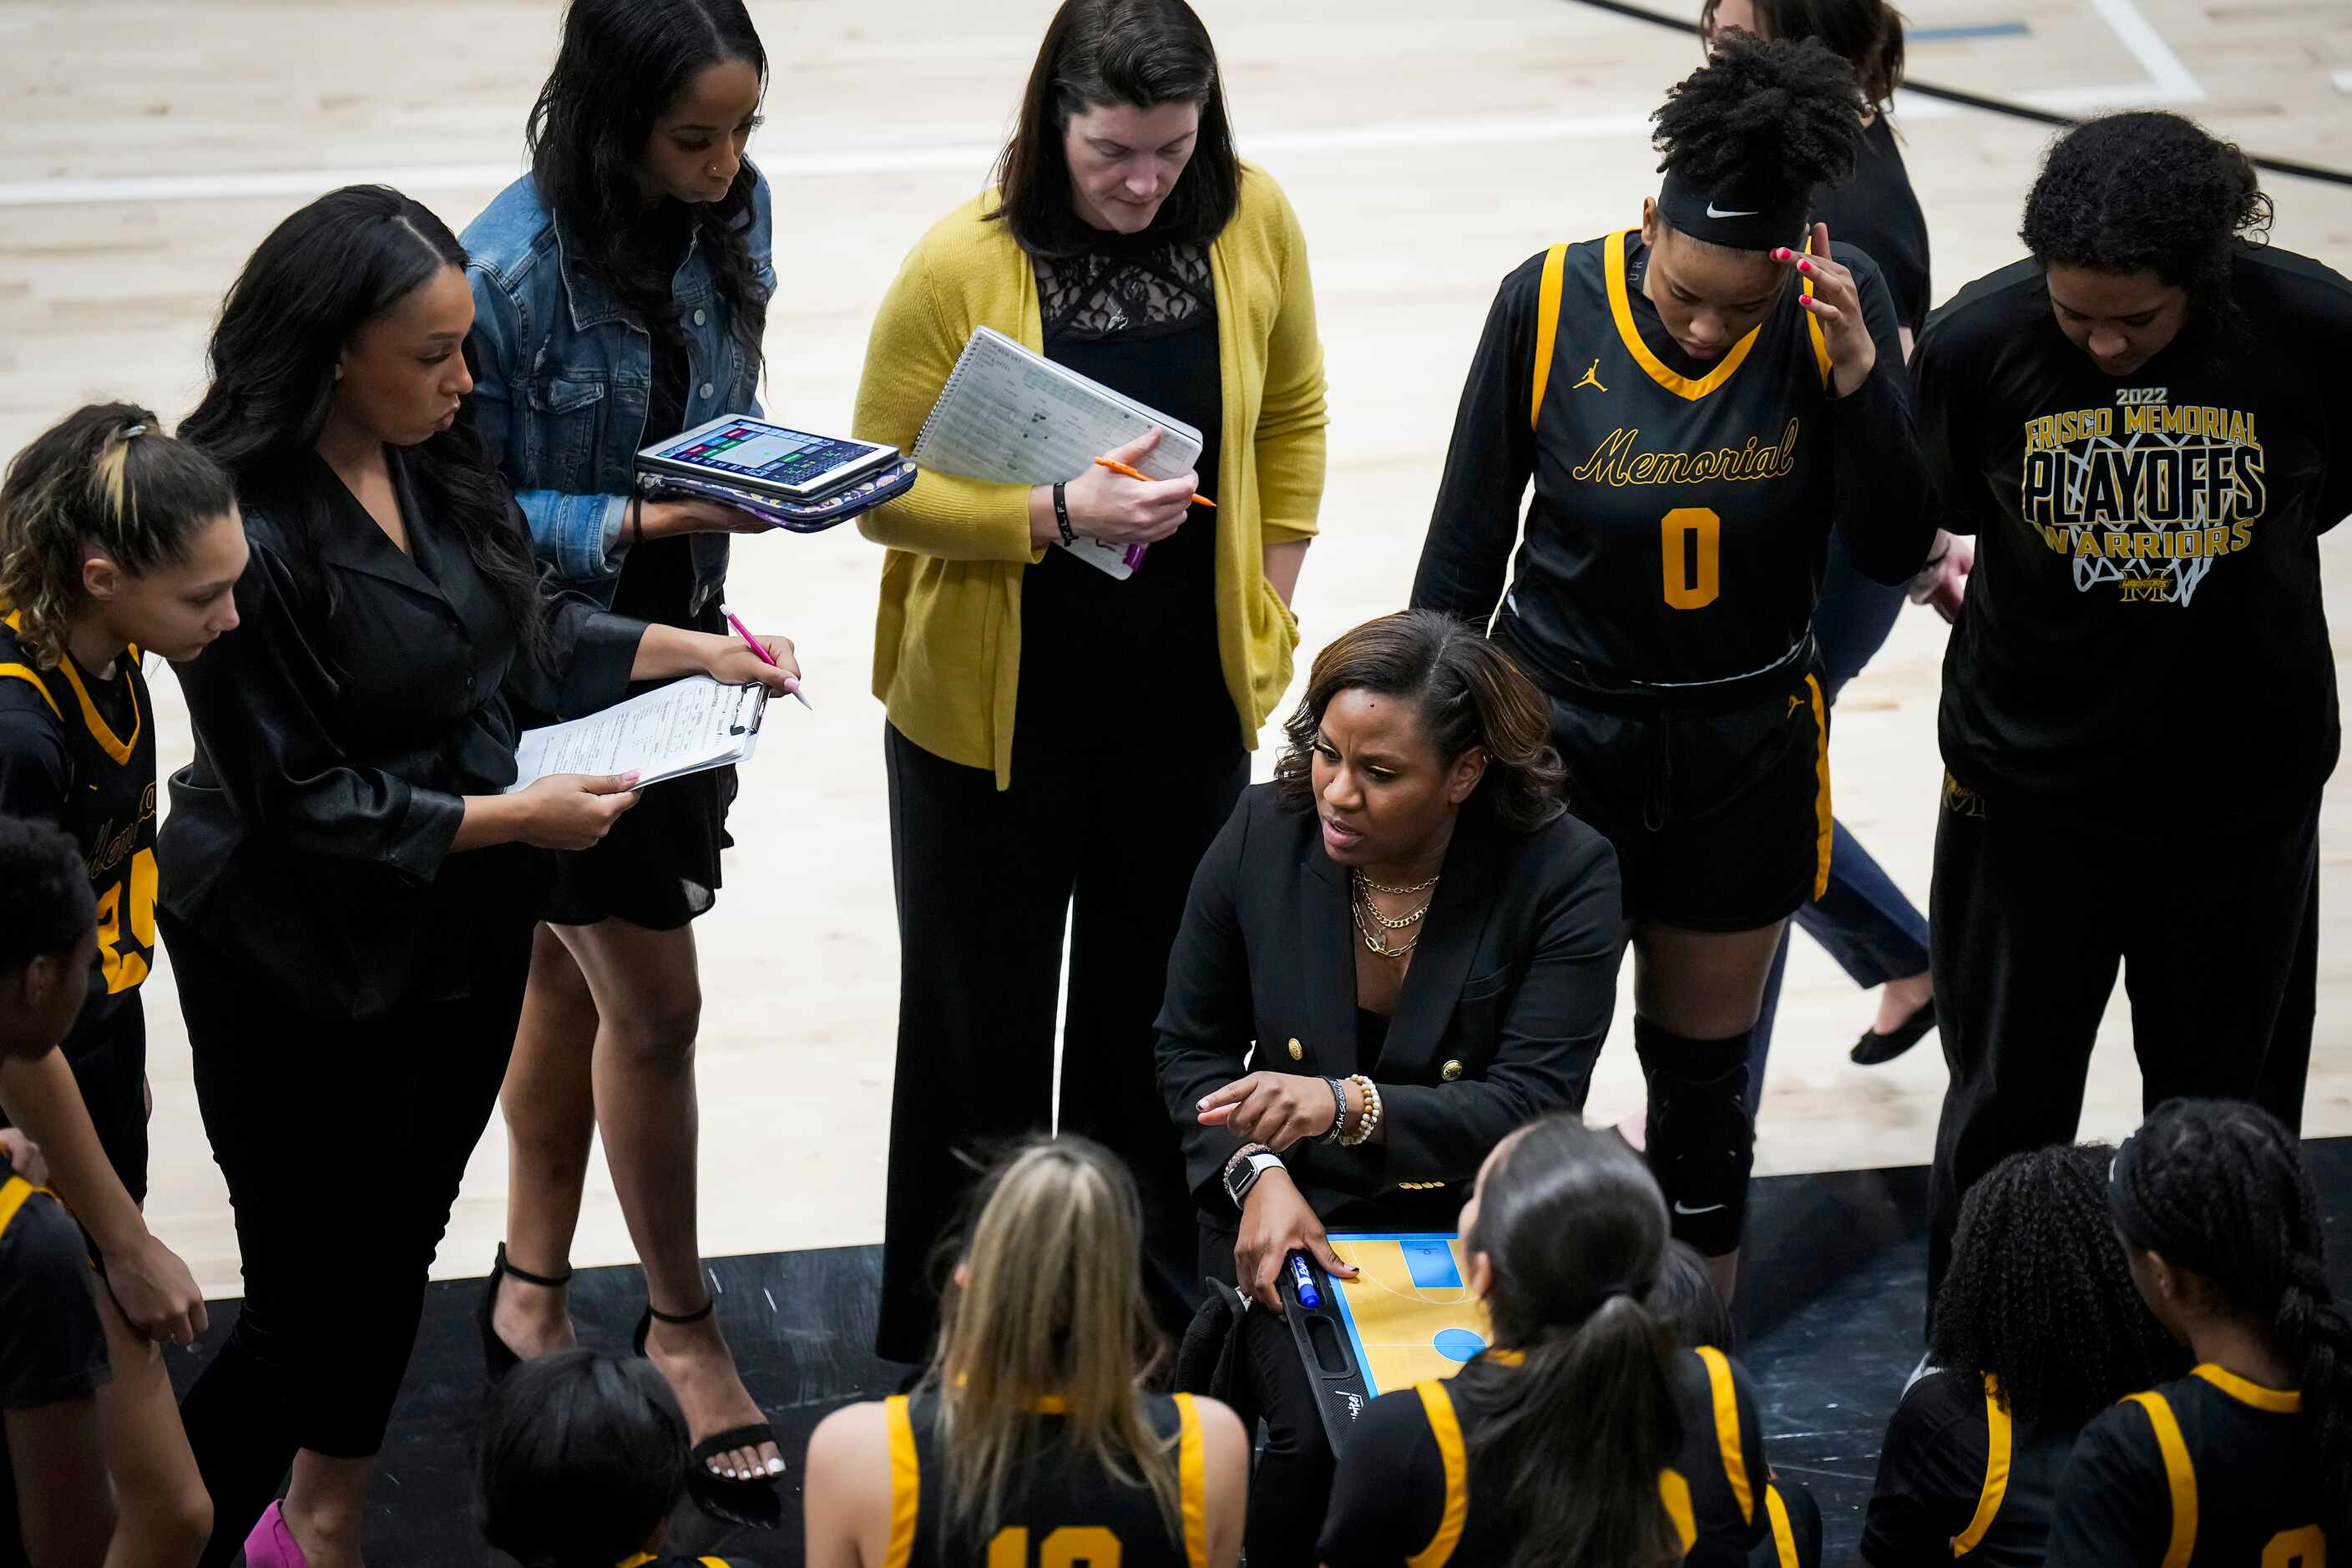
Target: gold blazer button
{"type": "Point", "coordinates": [1298, 1052]}
{"type": "Point", "coordinates": [1451, 1071]}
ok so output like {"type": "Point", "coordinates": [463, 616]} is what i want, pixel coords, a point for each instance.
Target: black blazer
{"type": "Point", "coordinates": [363, 692]}
{"type": "Point", "coordinates": [1499, 1021]}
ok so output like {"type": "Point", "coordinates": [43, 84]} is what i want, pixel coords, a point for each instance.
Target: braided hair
{"type": "Point", "coordinates": [2040, 1296]}
{"type": "Point", "coordinates": [1775, 119]}
{"type": "Point", "coordinates": [2219, 1189]}
{"type": "Point", "coordinates": [2147, 191]}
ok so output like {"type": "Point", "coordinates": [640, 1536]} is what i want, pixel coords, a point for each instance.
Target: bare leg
{"type": "Point", "coordinates": [549, 1103]}
{"type": "Point", "coordinates": [648, 1002]}
{"type": "Point", "coordinates": [1703, 985]}
{"type": "Point", "coordinates": [164, 1514]}
{"type": "Point", "coordinates": [1898, 999]}
{"type": "Point", "coordinates": [324, 1506]}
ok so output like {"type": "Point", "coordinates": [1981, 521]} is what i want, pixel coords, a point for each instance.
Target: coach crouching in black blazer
{"type": "Point", "coordinates": [1422, 944]}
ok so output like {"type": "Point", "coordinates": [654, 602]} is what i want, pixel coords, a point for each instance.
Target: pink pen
{"type": "Point", "coordinates": [745, 633]}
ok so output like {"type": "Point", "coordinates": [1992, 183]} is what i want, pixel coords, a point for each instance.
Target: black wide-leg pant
{"type": "Point", "coordinates": [1102, 842]}
{"type": "Point", "coordinates": [342, 1144]}
{"type": "Point", "coordinates": [2209, 908]}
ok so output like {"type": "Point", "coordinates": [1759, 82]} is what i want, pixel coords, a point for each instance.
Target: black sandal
{"type": "Point", "coordinates": [1875, 1047]}
{"type": "Point", "coordinates": [747, 1436]}
{"type": "Point", "coordinates": [497, 1359]}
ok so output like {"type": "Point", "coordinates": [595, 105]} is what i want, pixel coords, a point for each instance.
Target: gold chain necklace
{"type": "Point", "coordinates": [1361, 905]}
{"type": "Point", "coordinates": [1364, 881]}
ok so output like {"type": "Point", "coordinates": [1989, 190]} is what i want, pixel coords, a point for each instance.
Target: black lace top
{"type": "Point", "coordinates": [1138, 314]}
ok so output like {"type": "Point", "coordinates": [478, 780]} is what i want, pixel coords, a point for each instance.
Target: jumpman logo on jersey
{"type": "Point", "coordinates": [1592, 377]}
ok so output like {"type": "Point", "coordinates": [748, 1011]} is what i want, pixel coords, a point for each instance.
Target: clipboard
{"type": "Point", "coordinates": [1408, 1317]}
{"type": "Point", "coordinates": [685, 727]}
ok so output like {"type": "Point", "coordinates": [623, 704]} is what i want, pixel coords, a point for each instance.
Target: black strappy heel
{"type": "Point", "coordinates": [747, 1436]}
{"type": "Point", "coordinates": [499, 1360]}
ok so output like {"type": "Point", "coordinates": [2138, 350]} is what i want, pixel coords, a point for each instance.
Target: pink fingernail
{"type": "Point", "coordinates": [1804, 267]}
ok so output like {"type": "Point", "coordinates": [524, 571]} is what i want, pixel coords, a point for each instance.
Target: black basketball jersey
{"type": "Point", "coordinates": [1062, 1511]}
{"type": "Point", "coordinates": [1403, 1494]}
{"type": "Point", "coordinates": [79, 751]}
{"type": "Point", "coordinates": [1958, 1477]}
{"type": "Point", "coordinates": [1680, 515]}
{"type": "Point", "coordinates": [2207, 1472]}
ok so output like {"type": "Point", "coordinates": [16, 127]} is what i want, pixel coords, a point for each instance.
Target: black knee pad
{"type": "Point", "coordinates": [1702, 1139]}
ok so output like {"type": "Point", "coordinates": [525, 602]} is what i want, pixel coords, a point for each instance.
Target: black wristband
{"type": "Point", "coordinates": [1062, 514]}
{"type": "Point", "coordinates": [1339, 1112]}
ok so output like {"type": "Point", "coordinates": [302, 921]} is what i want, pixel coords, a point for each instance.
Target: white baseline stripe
{"type": "Point", "coordinates": [832, 163]}
{"type": "Point", "coordinates": [2169, 81]}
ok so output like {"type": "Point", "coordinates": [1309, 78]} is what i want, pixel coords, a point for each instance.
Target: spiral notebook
{"type": "Point", "coordinates": [1016, 417]}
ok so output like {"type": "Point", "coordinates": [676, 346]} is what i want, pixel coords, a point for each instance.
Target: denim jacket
{"type": "Point", "coordinates": [564, 372]}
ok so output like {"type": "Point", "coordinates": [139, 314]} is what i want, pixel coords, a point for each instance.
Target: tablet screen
{"type": "Point", "coordinates": [767, 452]}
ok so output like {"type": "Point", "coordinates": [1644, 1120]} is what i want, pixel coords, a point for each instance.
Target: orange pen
{"type": "Point", "coordinates": [1116, 466]}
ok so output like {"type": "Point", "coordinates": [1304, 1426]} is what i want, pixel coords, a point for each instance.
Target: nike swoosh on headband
{"type": "Point", "coordinates": [1684, 1208]}
{"type": "Point", "coordinates": [1713, 211]}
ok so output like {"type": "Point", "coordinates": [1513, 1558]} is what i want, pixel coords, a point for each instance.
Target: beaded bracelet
{"type": "Point", "coordinates": [1371, 1118]}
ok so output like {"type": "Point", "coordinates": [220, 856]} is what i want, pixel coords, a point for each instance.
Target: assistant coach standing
{"type": "Point", "coordinates": [1062, 746]}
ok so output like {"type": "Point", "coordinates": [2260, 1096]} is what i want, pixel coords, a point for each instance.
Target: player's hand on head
{"type": "Point", "coordinates": [1275, 1109]}
{"type": "Point", "coordinates": [1277, 1221]}
{"type": "Point", "coordinates": [1836, 303]}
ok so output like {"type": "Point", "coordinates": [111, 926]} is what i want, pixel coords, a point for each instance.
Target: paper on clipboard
{"type": "Point", "coordinates": [666, 733]}
{"type": "Point", "coordinates": [1016, 417]}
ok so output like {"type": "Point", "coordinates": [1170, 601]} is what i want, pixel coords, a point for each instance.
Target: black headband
{"type": "Point", "coordinates": [1729, 220]}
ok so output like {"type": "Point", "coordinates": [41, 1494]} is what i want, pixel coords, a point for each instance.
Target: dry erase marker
{"type": "Point", "coordinates": [1303, 1279]}
{"type": "Point", "coordinates": [1116, 466]}
{"type": "Point", "coordinates": [761, 648]}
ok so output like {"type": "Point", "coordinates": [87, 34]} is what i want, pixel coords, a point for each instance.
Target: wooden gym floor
{"type": "Point", "coordinates": [147, 147]}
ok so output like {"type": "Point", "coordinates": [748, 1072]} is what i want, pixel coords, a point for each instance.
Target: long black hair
{"type": "Point", "coordinates": [2040, 1295]}
{"type": "Point", "coordinates": [583, 1455]}
{"type": "Point", "coordinates": [1570, 1441]}
{"type": "Point", "coordinates": [621, 65]}
{"type": "Point", "coordinates": [2147, 191]}
{"type": "Point", "coordinates": [2219, 1189]}
{"type": "Point", "coordinates": [1469, 693]}
{"type": "Point", "coordinates": [337, 266]}
{"type": "Point", "coordinates": [1865, 34]}
{"type": "Point", "coordinates": [1142, 53]}
{"type": "Point", "coordinates": [1775, 119]}
{"type": "Point", "coordinates": [104, 476]}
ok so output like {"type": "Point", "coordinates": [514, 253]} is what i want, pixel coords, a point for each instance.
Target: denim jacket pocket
{"type": "Point", "coordinates": [567, 416]}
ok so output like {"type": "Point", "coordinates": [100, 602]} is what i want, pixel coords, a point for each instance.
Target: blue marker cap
{"type": "Point", "coordinates": [1303, 1279]}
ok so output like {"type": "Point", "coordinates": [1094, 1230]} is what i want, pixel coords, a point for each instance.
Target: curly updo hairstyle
{"type": "Point", "coordinates": [1772, 119]}
{"type": "Point", "coordinates": [1469, 694]}
{"type": "Point", "coordinates": [2146, 191]}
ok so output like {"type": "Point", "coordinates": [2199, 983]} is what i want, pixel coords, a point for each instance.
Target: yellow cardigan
{"type": "Point", "coordinates": [947, 640]}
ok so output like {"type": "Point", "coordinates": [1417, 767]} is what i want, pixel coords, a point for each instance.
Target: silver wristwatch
{"type": "Point", "coordinates": [1245, 1168]}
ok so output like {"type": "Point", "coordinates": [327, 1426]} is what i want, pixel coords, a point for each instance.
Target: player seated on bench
{"type": "Point", "coordinates": [1422, 946]}
{"type": "Point", "coordinates": [1583, 1435]}
{"type": "Point", "coordinates": [1030, 1439]}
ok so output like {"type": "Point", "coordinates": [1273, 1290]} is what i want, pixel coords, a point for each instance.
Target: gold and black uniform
{"type": "Point", "coordinates": [2139, 704]}
{"type": "Point", "coordinates": [1062, 1510]}
{"type": "Point", "coordinates": [1404, 1494]}
{"type": "Point", "coordinates": [1958, 1477]}
{"type": "Point", "coordinates": [1664, 591]}
{"type": "Point", "coordinates": [77, 750]}
{"type": "Point", "coordinates": [2208, 1471]}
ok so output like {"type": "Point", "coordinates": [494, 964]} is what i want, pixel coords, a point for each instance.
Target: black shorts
{"type": "Point", "coordinates": [107, 1052]}
{"type": "Point", "coordinates": [1720, 819]}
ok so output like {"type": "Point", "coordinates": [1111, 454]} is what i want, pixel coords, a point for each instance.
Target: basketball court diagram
{"type": "Point", "coordinates": [1408, 1317]}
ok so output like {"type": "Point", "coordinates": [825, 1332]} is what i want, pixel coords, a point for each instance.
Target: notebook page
{"type": "Point", "coordinates": [1012, 417]}
{"type": "Point", "coordinates": [665, 733]}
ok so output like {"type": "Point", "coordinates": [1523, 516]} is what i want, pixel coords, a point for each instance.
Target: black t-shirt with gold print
{"type": "Point", "coordinates": [2145, 618]}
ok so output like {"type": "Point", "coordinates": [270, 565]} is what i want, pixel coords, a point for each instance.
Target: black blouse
{"type": "Point", "coordinates": [363, 693]}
